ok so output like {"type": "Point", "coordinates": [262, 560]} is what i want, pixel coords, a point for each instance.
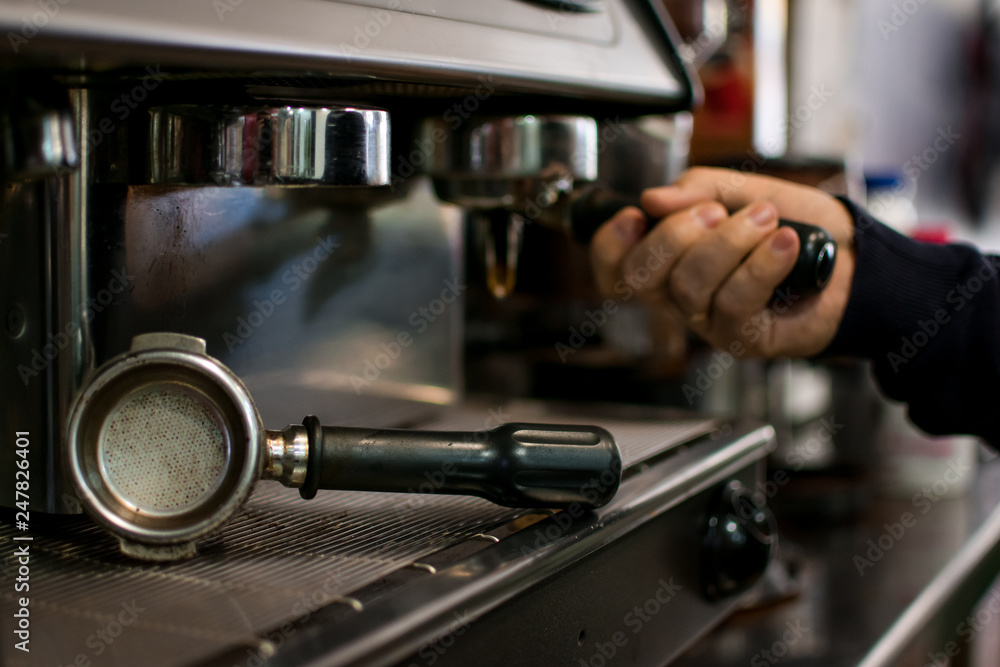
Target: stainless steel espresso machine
{"type": "Point", "coordinates": [222, 216]}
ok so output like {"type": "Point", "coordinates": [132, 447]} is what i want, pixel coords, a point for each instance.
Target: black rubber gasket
{"type": "Point", "coordinates": [314, 463]}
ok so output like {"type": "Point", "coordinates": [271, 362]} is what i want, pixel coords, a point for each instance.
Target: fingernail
{"type": "Point", "coordinates": [628, 228]}
{"type": "Point", "coordinates": [761, 214]}
{"type": "Point", "coordinates": [782, 242]}
{"type": "Point", "coordinates": [709, 215]}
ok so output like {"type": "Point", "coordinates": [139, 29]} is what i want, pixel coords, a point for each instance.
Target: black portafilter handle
{"type": "Point", "coordinates": [812, 270]}
{"type": "Point", "coordinates": [515, 464]}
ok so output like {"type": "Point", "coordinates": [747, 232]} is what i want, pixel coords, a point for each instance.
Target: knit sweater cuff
{"type": "Point", "coordinates": [900, 287]}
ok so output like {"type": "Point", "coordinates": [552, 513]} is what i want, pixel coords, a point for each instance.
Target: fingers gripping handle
{"type": "Point", "coordinates": [517, 464]}
{"type": "Point", "coordinates": [812, 270]}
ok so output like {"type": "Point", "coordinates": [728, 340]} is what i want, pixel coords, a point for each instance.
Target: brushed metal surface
{"type": "Point", "coordinates": [620, 54]}
{"type": "Point", "coordinates": [542, 576]}
{"type": "Point", "coordinates": [287, 145]}
{"type": "Point", "coordinates": [279, 560]}
{"type": "Point", "coordinates": [300, 293]}
{"type": "Point", "coordinates": [501, 162]}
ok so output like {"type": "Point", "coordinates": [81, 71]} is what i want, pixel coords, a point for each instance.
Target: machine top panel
{"type": "Point", "coordinates": [611, 51]}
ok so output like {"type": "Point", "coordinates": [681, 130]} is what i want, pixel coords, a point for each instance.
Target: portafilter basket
{"type": "Point", "coordinates": [164, 444]}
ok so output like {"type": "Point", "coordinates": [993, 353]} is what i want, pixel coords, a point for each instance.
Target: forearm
{"type": "Point", "coordinates": [928, 316]}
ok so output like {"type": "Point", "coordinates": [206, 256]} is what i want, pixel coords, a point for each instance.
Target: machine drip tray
{"type": "Point", "coordinates": [348, 567]}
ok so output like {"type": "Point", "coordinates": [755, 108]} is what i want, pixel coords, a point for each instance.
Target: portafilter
{"type": "Point", "coordinates": [508, 169]}
{"type": "Point", "coordinates": [164, 445]}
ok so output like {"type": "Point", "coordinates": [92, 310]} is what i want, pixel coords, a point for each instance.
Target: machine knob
{"type": "Point", "coordinates": [738, 542]}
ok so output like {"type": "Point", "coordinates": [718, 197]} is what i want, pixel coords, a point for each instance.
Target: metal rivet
{"type": "Point", "coordinates": [423, 566]}
{"type": "Point", "coordinates": [353, 603]}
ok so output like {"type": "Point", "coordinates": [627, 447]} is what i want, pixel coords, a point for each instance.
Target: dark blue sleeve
{"type": "Point", "coordinates": [928, 316]}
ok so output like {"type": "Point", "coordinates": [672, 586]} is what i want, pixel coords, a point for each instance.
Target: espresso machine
{"type": "Point", "coordinates": [220, 217]}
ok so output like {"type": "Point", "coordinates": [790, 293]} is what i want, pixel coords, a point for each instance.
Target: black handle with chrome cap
{"type": "Point", "coordinates": [515, 464]}
{"type": "Point", "coordinates": [594, 206]}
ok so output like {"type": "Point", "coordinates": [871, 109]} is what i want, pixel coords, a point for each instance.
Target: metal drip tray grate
{"type": "Point", "coordinates": [280, 559]}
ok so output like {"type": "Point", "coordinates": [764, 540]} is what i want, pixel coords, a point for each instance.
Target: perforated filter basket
{"type": "Point", "coordinates": [163, 445]}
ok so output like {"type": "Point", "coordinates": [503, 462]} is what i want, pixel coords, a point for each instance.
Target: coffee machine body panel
{"type": "Point", "coordinates": [342, 298]}
{"type": "Point", "coordinates": [346, 303]}
{"type": "Point", "coordinates": [615, 51]}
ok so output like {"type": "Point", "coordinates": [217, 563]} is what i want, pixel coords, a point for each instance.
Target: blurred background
{"type": "Point", "coordinates": [890, 103]}
{"type": "Point", "coordinates": [893, 103]}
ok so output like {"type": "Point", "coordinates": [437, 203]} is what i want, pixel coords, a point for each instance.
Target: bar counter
{"type": "Point", "coordinates": [903, 582]}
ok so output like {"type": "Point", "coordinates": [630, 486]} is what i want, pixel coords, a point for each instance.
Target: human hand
{"type": "Point", "coordinates": [716, 271]}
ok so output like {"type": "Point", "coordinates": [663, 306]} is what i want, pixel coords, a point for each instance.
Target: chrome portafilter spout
{"type": "Point", "coordinates": [165, 444]}
{"type": "Point", "coordinates": [507, 170]}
